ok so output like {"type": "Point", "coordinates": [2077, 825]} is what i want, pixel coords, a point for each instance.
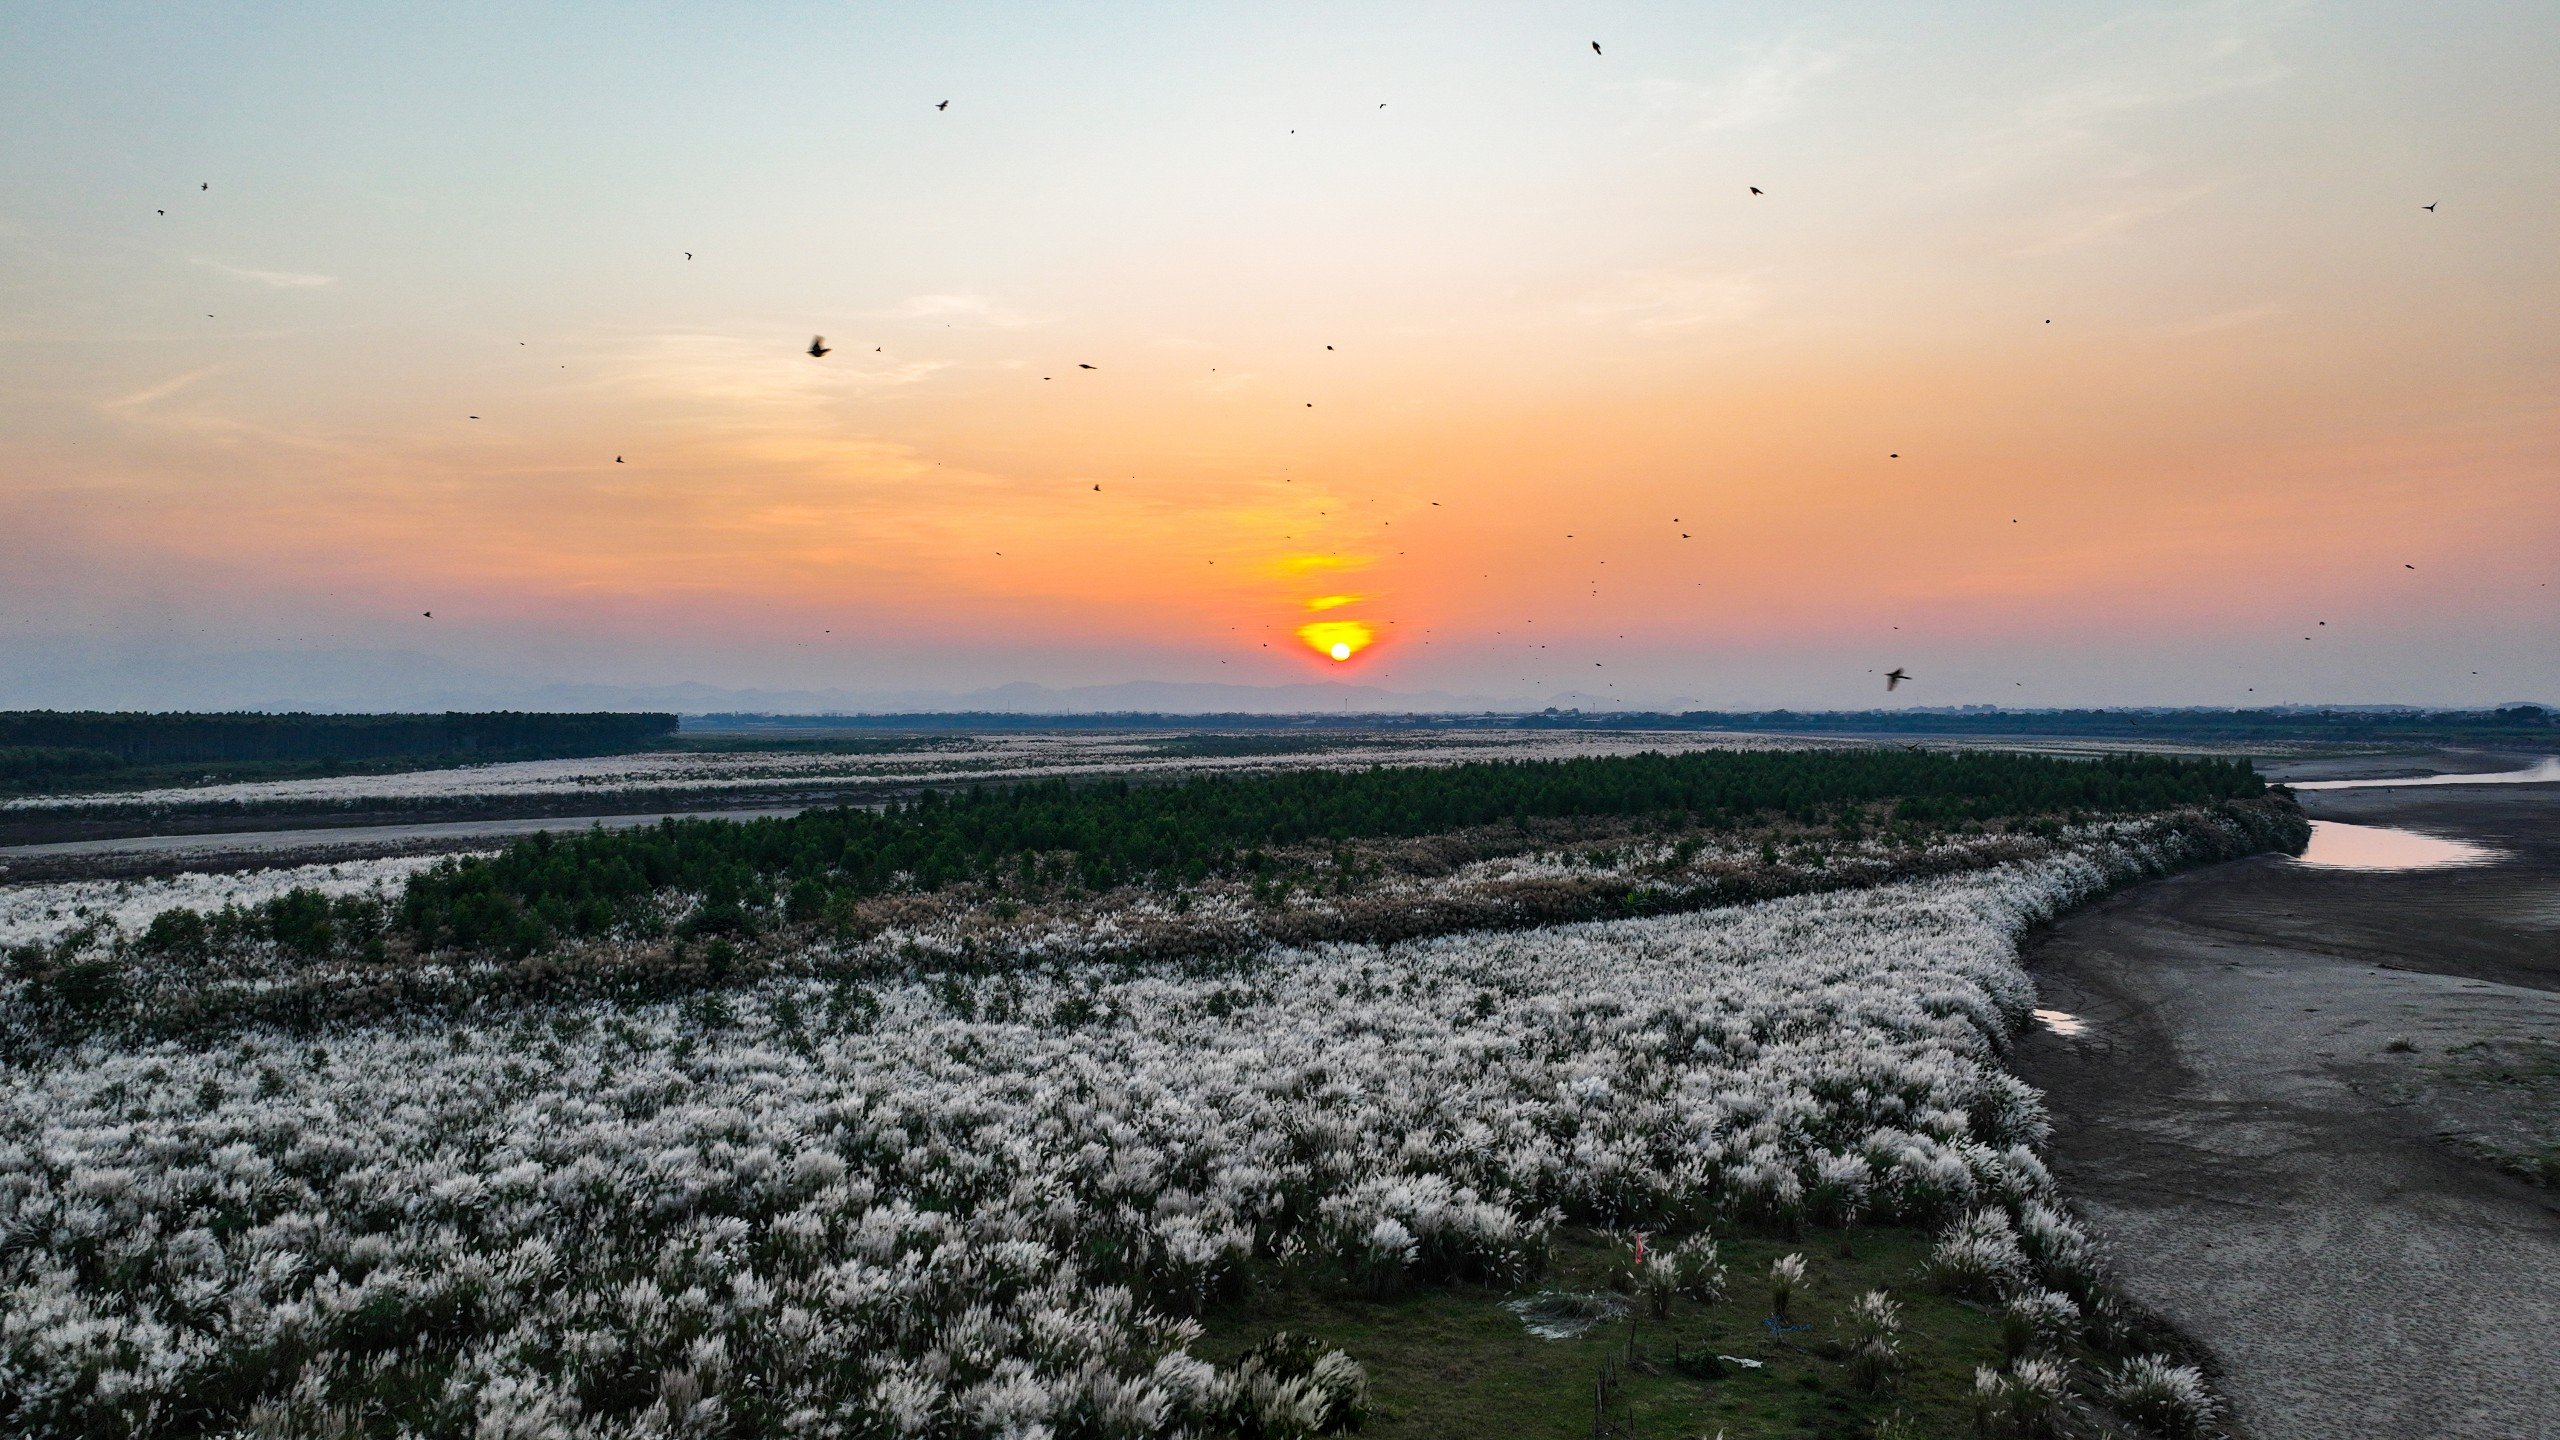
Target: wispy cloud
{"type": "Point", "coordinates": [2130, 65]}
{"type": "Point", "coordinates": [1757, 92]}
{"type": "Point", "coordinates": [977, 311]}
{"type": "Point", "coordinates": [279, 279]}
{"type": "Point", "coordinates": [2247, 315]}
{"type": "Point", "coordinates": [1673, 299]}
{"type": "Point", "coordinates": [749, 378]}
{"type": "Point", "coordinates": [150, 393]}
{"type": "Point", "coordinates": [2106, 217]}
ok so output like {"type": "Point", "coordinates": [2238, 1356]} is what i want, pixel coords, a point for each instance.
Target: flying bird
{"type": "Point", "coordinates": [617, 459]}
{"type": "Point", "coordinates": [688, 254]}
{"type": "Point", "coordinates": [1756, 190]}
{"type": "Point", "coordinates": [2430, 209]}
{"type": "Point", "coordinates": [207, 185]}
{"type": "Point", "coordinates": [1894, 677]}
{"type": "Point", "coordinates": [430, 614]}
{"type": "Point", "coordinates": [945, 105]}
{"type": "Point", "coordinates": [1083, 366]}
{"type": "Point", "coordinates": [1595, 47]}
{"type": "Point", "coordinates": [818, 345]}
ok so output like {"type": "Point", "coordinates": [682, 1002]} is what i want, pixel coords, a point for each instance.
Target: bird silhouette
{"type": "Point", "coordinates": [617, 459]}
{"type": "Point", "coordinates": [1894, 677]}
{"type": "Point", "coordinates": [818, 345]}
{"type": "Point", "coordinates": [688, 254]}
{"type": "Point", "coordinates": [1595, 47]}
{"type": "Point", "coordinates": [1083, 366]}
{"type": "Point", "coordinates": [207, 185]}
{"type": "Point", "coordinates": [430, 614]}
{"type": "Point", "coordinates": [1756, 190]}
{"type": "Point", "coordinates": [2430, 209]}
{"type": "Point", "coordinates": [945, 105]}
{"type": "Point", "coordinates": [159, 212]}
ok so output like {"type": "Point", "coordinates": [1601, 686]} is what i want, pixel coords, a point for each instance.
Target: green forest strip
{"type": "Point", "coordinates": [1097, 836]}
{"type": "Point", "coordinates": [981, 878]}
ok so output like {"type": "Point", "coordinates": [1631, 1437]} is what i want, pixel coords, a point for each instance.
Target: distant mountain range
{"type": "Point", "coordinates": [403, 680]}
{"type": "Point", "coordinates": [373, 681]}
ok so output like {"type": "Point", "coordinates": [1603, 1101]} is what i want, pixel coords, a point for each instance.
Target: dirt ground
{"type": "Point", "coordinates": [2291, 1104]}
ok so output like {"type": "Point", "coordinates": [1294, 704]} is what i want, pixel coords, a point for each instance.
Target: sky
{"type": "Point", "coordinates": [2066, 354]}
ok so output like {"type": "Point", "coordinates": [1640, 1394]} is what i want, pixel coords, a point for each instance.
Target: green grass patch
{"type": "Point", "coordinates": [1450, 1362]}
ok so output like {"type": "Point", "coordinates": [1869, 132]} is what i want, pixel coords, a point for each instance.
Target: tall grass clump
{"type": "Point", "coordinates": [1786, 1276]}
{"type": "Point", "coordinates": [1979, 1257]}
{"type": "Point", "coordinates": [1872, 1332]}
{"type": "Point", "coordinates": [2035, 1321]}
{"type": "Point", "coordinates": [2166, 1397]}
{"type": "Point", "coordinates": [1697, 1269]}
{"type": "Point", "coordinates": [2022, 1402]}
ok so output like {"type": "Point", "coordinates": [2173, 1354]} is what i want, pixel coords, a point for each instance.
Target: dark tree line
{"type": "Point", "coordinates": [136, 738]}
{"type": "Point", "coordinates": [20, 763]}
{"type": "Point", "coordinates": [2530, 723]}
{"type": "Point", "coordinates": [1046, 835]}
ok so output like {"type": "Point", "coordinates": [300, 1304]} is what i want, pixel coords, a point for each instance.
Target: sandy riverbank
{"type": "Point", "coordinates": [2286, 1106]}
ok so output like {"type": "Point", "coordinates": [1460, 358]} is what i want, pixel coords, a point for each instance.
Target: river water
{"type": "Point", "coordinates": [2546, 772]}
{"type": "Point", "coordinates": [2336, 845]}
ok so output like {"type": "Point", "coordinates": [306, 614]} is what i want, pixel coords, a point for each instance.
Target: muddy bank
{"type": "Point", "coordinates": [2291, 1104]}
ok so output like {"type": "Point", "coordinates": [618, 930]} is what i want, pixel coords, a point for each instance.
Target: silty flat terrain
{"type": "Point", "coordinates": [2288, 1105]}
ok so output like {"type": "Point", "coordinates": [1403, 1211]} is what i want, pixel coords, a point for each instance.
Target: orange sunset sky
{"type": "Point", "coordinates": [2074, 354]}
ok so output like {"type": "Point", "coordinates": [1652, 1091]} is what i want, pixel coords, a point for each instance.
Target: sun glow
{"type": "Point", "coordinates": [1340, 639]}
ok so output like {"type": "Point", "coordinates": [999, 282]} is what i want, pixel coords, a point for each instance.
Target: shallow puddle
{"type": "Point", "coordinates": [2548, 771]}
{"type": "Point", "coordinates": [1558, 1315]}
{"type": "Point", "coordinates": [2336, 845]}
{"type": "Point", "coordinates": [2062, 1022]}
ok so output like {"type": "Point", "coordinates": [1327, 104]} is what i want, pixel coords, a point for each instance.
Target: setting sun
{"type": "Point", "coordinates": [1340, 639]}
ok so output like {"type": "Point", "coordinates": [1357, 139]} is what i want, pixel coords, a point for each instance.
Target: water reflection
{"type": "Point", "coordinates": [2546, 772]}
{"type": "Point", "coordinates": [2339, 846]}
